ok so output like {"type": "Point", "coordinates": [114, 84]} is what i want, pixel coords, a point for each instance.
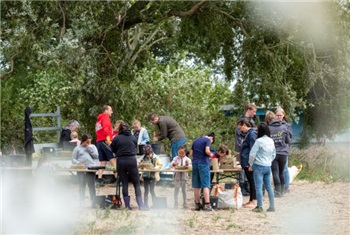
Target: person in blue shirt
{"type": "Point", "coordinates": [260, 159]}
{"type": "Point", "coordinates": [201, 155]}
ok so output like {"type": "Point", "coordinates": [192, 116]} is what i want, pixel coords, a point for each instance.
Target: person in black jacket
{"type": "Point", "coordinates": [73, 125]}
{"type": "Point", "coordinates": [124, 147]}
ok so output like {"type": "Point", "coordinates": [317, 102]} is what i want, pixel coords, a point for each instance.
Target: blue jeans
{"type": "Point", "coordinates": [175, 145]}
{"type": "Point", "coordinates": [286, 175]}
{"type": "Point", "coordinates": [262, 174]}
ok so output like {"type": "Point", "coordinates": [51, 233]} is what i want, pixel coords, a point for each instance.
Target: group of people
{"type": "Point", "coordinates": [262, 150]}
{"type": "Point", "coordinates": [258, 149]}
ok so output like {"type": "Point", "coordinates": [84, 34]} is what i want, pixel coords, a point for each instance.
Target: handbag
{"type": "Point", "coordinates": [229, 198]}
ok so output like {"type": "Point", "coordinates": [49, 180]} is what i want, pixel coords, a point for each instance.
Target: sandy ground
{"type": "Point", "coordinates": [310, 208]}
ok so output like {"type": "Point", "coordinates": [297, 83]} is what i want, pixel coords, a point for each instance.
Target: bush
{"type": "Point", "coordinates": [322, 163]}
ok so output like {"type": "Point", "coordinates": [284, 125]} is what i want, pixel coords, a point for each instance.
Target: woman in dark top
{"type": "Point", "coordinates": [124, 147]}
{"type": "Point", "coordinates": [250, 136]}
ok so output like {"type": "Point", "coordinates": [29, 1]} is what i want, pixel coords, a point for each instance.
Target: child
{"type": "Point", "coordinates": [149, 178]}
{"type": "Point", "coordinates": [222, 152]}
{"type": "Point", "coordinates": [74, 137]}
{"type": "Point", "coordinates": [180, 178]}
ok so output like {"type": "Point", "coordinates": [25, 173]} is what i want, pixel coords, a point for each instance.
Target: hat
{"type": "Point", "coordinates": [147, 149]}
{"type": "Point", "coordinates": [211, 134]}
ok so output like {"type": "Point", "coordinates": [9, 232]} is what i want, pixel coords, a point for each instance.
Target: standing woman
{"type": "Point", "coordinates": [260, 159]}
{"type": "Point", "coordinates": [281, 116]}
{"type": "Point", "coordinates": [124, 147]}
{"type": "Point", "coordinates": [246, 127]}
{"type": "Point", "coordinates": [86, 153]}
{"type": "Point", "coordinates": [280, 133]}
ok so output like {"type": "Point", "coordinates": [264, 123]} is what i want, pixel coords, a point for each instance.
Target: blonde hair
{"type": "Point", "coordinates": [285, 118]}
{"type": "Point", "coordinates": [117, 124]}
{"type": "Point", "coordinates": [269, 117]}
{"type": "Point", "coordinates": [74, 135]}
{"type": "Point", "coordinates": [136, 122]}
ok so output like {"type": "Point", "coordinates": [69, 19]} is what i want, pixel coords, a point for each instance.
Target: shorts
{"type": "Point", "coordinates": [104, 152]}
{"type": "Point", "coordinates": [200, 176]}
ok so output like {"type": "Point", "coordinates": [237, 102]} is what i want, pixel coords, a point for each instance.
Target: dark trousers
{"type": "Point", "coordinates": [149, 185]}
{"type": "Point", "coordinates": [277, 168]}
{"type": "Point", "coordinates": [86, 178]}
{"type": "Point", "coordinates": [128, 171]}
{"type": "Point", "coordinates": [250, 177]}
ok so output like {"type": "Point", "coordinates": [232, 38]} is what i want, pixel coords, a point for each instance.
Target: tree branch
{"type": "Point", "coordinates": [12, 63]}
{"type": "Point", "coordinates": [63, 29]}
{"type": "Point", "coordinates": [188, 13]}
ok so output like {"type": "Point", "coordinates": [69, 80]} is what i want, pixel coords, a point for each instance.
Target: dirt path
{"type": "Point", "coordinates": [310, 208]}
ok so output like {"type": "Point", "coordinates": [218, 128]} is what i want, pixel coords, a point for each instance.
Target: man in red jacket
{"type": "Point", "coordinates": [104, 133]}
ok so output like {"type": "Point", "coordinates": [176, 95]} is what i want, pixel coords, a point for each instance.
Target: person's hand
{"type": "Point", "coordinates": [108, 140]}
{"type": "Point", "coordinates": [186, 163]}
{"type": "Point", "coordinates": [155, 139]}
{"type": "Point", "coordinates": [250, 168]}
{"type": "Point", "coordinates": [175, 163]}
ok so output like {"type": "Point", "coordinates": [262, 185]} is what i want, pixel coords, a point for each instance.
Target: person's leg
{"type": "Point", "coordinates": [281, 166]}
{"type": "Point", "coordinates": [153, 193]}
{"type": "Point", "coordinates": [146, 185]}
{"type": "Point", "coordinates": [184, 193]}
{"type": "Point", "coordinates": [286, 176]}
{"type": "Point", "coordinates": [275, 175]}
{"type": "Point", "coordinates": [134, 176]}
{"type": "Point", "coordinates": [258, 179]}
{"type": "Point", "coordinates": [268, 187]}
{"type": "Point", "coordinates": [90, 179]}
{"type": "Point", "coordinates": [103, 161]}
{"type": "Point", "coordinates": [81, 180]}
{"type": "Point", "coordinates": [176, 193]}
{"type": "Point", "coordinates": [252, 200]}
{"type": "Point", "coordinates": [175, 145]}
{"type": "Point", "coordinates": [196, 184]}
{"type": "Point", "coordinates": [113, 162]}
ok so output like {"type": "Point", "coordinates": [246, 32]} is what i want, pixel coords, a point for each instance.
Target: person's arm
{"type": "Point", "coordinates": [92, 151]}
{"type": "Point", "coordinates": [75, 156]}
{"type": "Point", "coordinates": [158, 164]}
{"type": "Point", "coordinates": [253, 151]}
{"type": "Point", "coordinates": [174, 162]}
{"type": "Point", "coordinates": [163, 131]}
{"type": "Point", "coordinates": [107, 128]}
{"type": "Point", "coordinates": [207, 151]}
{"type": "Point", "coordinates": [145, 136]}
{"type": "Point", "coordinates": [189, 162]}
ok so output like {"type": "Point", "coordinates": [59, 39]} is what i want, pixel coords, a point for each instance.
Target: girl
{"type": "Point", "coordinates": [180, 178]}
{"type": "Point", "coordinates": [149, 179]}
{"type": "Point", "coordinates": [223, 151]}
{"type": "Point", "coordinates": [260, 158]}
{"type": "Point", "coordinates": [86, 153]}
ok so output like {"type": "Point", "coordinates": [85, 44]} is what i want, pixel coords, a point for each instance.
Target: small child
{"type": "Point", "coordinates": [222, 152]}
{"type": "Point", "coordinates": [74, 137]}
{"type": "Point", "coordinates": [149, 178]}
{"type": "Point", "coordinates": [180, 178]}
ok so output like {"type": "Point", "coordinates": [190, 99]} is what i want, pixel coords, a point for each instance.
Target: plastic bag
{"type": "Point", "coordinates": [230, 198]}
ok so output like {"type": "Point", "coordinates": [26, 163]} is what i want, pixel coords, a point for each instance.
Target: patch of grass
{"type": "Point", "coordinates": [192, 221]}
{"type": "Point", "coordinates": [216, 217]}
{"type": "Point", "coordinates": [126, 229]}
{"type": "Point", "coordinates": [233, 225]}
{"type": "Point", "coordinates": [321, 163]}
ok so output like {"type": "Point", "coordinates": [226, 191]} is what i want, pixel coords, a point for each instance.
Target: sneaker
{"type": "Point", "coordinates": [278, 194]}
{"type": "Point", "coordinates": [185, 206]}
{"type": "Point", "coordinates": [271, 209]}
{"type": "Point", "coordinates": [197, 206]}
{"type": "Point", "coordinates": [207, 207]}
{"type": "Point", "coordinates": [258, 209]}
{"type": "Point", "coordinates": [286, 190]}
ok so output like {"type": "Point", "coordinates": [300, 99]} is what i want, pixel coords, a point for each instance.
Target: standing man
{"type": "Point", "coordinates": [169, 128]}
{"type": "Point", "coordinates": [250, 112]}
{"type": "Point", "coordinates": [104, 135]}
{"type": "Point", "coordinates": [201, 155]}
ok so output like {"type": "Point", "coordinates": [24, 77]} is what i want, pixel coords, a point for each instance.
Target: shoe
{"type": "Point", "coordinates": [278, 194]}
{"type": "Point", "coordinates": [207, 207]}
{"type": "Point", "coordinates": [197, 206]}
{"type": "Point", "coordinates": [176, 206]}
{"type": "Point", "coordinates": [113, 181]}
{"type": "Point", "coordinates": [258, 209]}
{"type": "Point", "coordinates": [249, 205]}
{"type": "Point", "coordinates": [286, 190]}
{"type": "Point", "coordinates": [271, 209]}
{"type": "Point", "coordinates": [185, 206]}
{"type": "Point", "coordinates": [100, 183]}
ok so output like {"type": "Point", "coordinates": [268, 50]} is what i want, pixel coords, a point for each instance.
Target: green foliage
{"type": "Point", "coordinates": [327, 164]}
